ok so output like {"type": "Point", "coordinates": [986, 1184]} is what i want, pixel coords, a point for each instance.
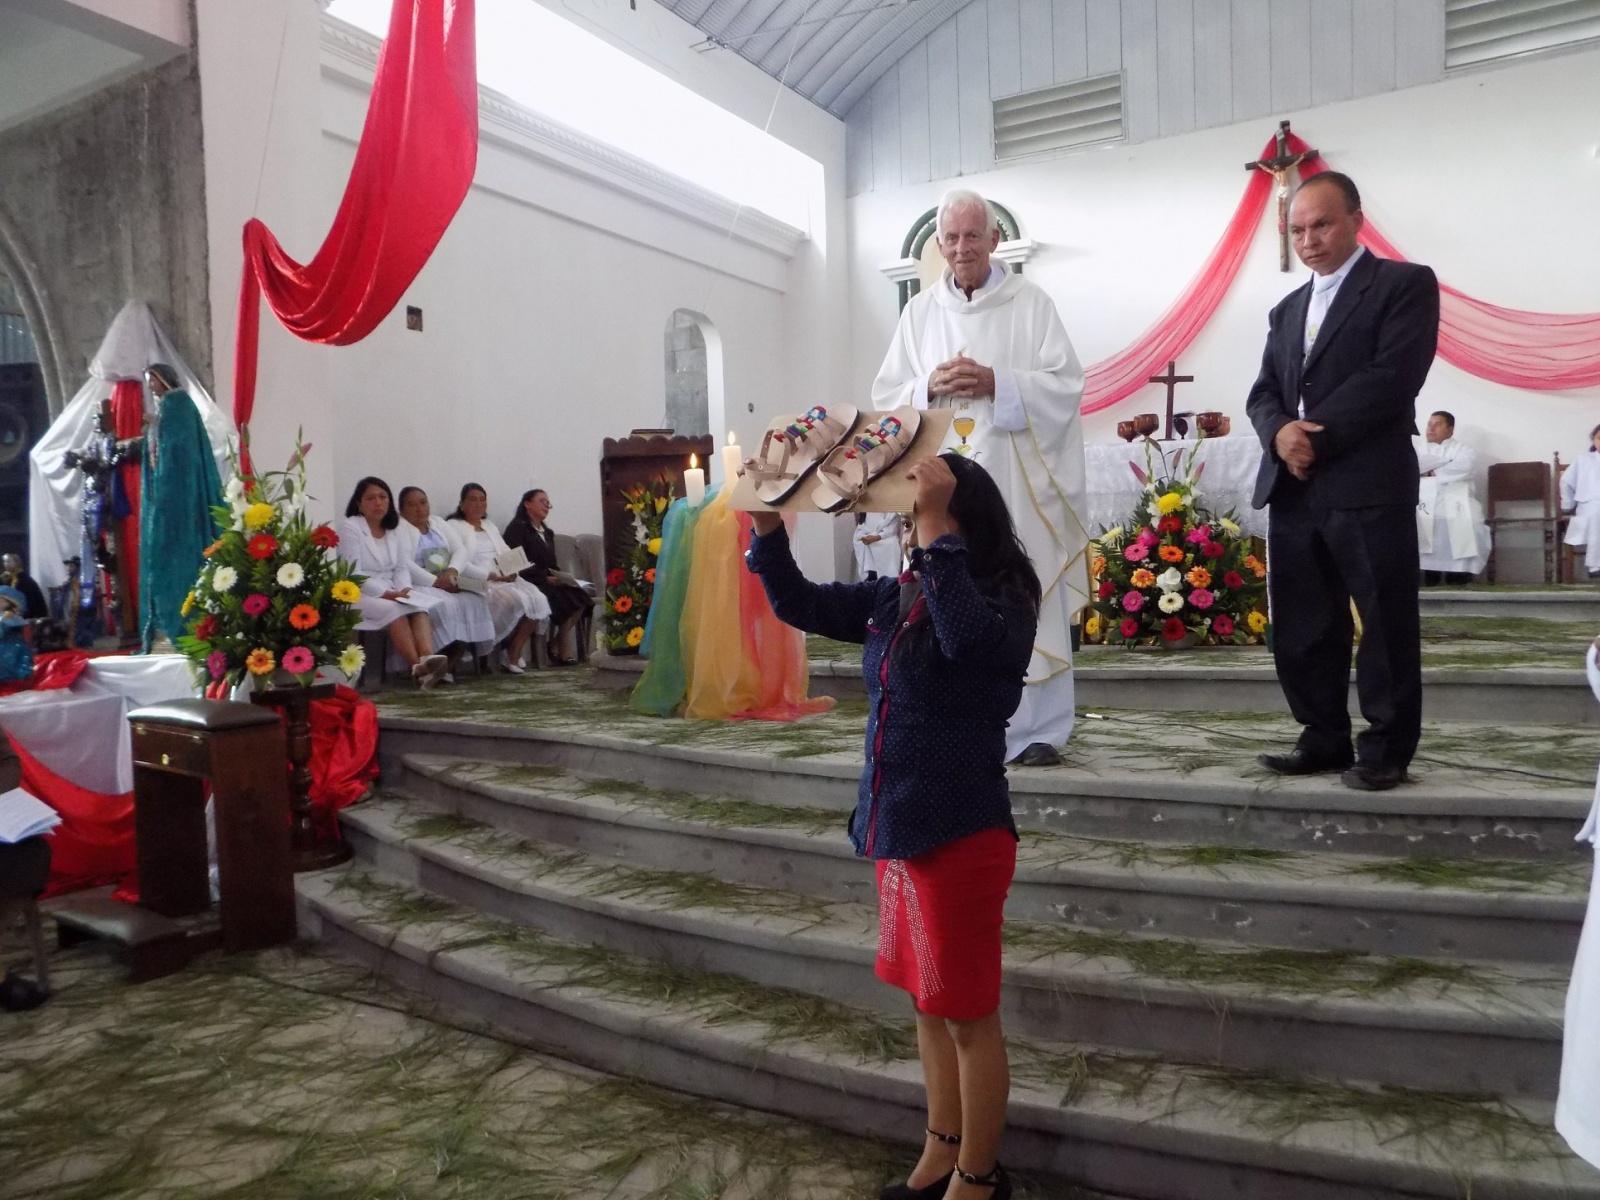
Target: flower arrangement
{"type": "Point", "coordinates": [630, 587]}
{"type": "Point", "coordinates": [271, 596]}
{"type": "Point", "coordinates": [1175, 571]}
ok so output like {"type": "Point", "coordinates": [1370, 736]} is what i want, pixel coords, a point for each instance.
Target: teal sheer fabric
{"type": "Point", "coordinates": [178, 489]}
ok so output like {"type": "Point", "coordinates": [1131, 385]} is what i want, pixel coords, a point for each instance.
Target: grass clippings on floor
{"type": "Point", "coordinates": [289, 1075]}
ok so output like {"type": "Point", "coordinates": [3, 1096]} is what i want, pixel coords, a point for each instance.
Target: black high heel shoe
{"type": "Point", "coordinates": [996, 1179]}
{"type": "Point", "coordinates": [936, 1189]}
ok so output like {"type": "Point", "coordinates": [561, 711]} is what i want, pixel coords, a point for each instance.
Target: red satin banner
{"type": "Point", "coordinates": [1538, 351]}
{"type": "Point", "coordinates": [413, 167]}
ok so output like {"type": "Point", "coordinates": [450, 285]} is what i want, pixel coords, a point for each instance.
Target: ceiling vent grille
{"type": "Point", "coordinates": [1477, 31]}
{"type": "Point", "coordinates": [1085, 113]}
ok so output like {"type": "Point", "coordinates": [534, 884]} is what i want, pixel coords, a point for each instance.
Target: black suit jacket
{"type": "Point", "coordinates": [1360, 381]}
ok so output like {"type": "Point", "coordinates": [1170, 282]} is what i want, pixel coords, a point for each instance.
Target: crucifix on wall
{"type": "Point", "coordinates": [1278, 167]}
{"type": "Point", "coordinates": [1172, 379]}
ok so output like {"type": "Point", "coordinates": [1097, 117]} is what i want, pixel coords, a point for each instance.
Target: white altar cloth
{"type": "Point", "coordinates": [1229, 478]}
{"type": "Point", "coordinates": [81, 733]}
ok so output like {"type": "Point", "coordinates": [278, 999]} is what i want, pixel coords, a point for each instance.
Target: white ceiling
{"type": "Point", "coordinates": [830, 51]}
{"type": "Point", "coordinates": [53, 52]}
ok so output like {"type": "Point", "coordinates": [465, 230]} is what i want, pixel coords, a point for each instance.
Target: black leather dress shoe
{"type": "Point", "coordinates": [1301, 761]}
{"type": "Point", "coordinates": [1368, 777]}
{"type": "Point", "coordinates": [1038, 754]}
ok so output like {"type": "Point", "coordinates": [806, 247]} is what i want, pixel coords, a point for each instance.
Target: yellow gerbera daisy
{"type": "Point", "coordinates": [188, 605]}
{"type": "Point", "coordinates": [259, 514]}
{"type": "Point", "coordinates": [635, 636]}
{"type": "Point", "coordinates": [1257, 622]}
{"type": "Point", "coordinates": [345, 592]}
{"type": "Point", "coordinates": [260, 661]}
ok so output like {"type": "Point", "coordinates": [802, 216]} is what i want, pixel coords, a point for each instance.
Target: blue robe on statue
{"type": "Point", "coordinates": [178, 489]}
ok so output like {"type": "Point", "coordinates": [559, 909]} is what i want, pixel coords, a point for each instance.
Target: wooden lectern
{"type": "Point", "coordinates": [178, 747]}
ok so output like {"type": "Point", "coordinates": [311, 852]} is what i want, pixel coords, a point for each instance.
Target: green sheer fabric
{"type": "Point", "coordinates": [660, 691]}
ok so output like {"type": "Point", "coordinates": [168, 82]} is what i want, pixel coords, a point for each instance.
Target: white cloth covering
{"type": "Point", "coordinates": [509, 602]}
{"type": "Point", "coordinates": [1451, 533]}
{"type": "Point", "coordinates": [459, 616]}
{"type": "Point", "coordinates": [55, 490]}
{"type": "Point", "coordinates": [883, 556]}
{"type": "Point", "coordinates": [1230, 477]}
{"type": "Point", "coordinates": [1029, 438]}
{"type": "Point", "coordinates": [1580, 489]}
{"type": "Point", "coordinates": [81, 733]}
{"type": "Point", "coordinates": [1578, 1106]}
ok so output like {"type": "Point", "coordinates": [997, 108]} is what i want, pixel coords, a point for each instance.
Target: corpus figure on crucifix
{"type": "Point", "coordinates": [1278, 167]}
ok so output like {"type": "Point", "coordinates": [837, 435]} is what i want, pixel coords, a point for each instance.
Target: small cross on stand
{"type": "Point", "coordinates": [1278, 167]}
{"type": "Point", "coordinates": [1172, 379]}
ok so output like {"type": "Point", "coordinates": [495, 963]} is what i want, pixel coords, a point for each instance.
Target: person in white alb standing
{"type": "Point", "coordinates": [1452, 539]}
{"type": "Point", "coordinates": [989, 344]}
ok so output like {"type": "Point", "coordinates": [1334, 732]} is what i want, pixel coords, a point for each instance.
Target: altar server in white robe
{"type": "Point", "coordinates": [1452, 538]}
{"type": "Point", "coordinates": [1580, 495]}
{"type": "Point", "coordinates": [990, 345]}
{"type": "Point", "coordinates": [1578, 1106]}
{"type": "Point", "coordinates": [877, 545]}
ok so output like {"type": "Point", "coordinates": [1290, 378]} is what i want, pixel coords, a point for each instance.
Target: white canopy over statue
{"type": "Point", "coordinates": [55, 490]}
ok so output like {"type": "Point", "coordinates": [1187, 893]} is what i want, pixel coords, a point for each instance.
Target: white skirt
{"type": "Point", "coordinates": [378, 613]}
{"type": "Point", "coordinates": [510, 602]}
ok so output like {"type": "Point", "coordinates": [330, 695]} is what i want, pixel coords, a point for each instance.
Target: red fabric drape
{"type": "Point", "coordinates": [93, 845]}
{"type": "Point", "coordinates": [127, 419]}
{"type": "Point", "coordinates": [412, 169]}
{"type": "Point", "coordinates": [1541, 351]}
{"type": "Point", "coordinates": [1119, 376]}
{"type": "Point", "coordinates": [344, 754]}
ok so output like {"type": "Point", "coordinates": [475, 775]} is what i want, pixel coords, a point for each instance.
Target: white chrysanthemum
{"type": "Point", "coordinates": [291, 575]}
{"type": "Point", "coordinates": [352, 660]}
{"type": "Point", "coordinates": [1112, 538]}
{"type": "Point", "coordinates": [1169, 580]}
{"type": "Point", "coordinates": [1170, 602]}
{"type": "Point", "coordinates": [234, 492]}
{"type": "Point", "coordinates": [1229, 527]}
{"type": "Point", "coordinates": [223, 579]}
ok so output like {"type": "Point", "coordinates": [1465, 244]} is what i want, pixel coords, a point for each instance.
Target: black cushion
{"type": "Point", "coordinates": [205, 714]}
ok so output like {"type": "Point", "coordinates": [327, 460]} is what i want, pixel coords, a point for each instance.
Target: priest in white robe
{"type": "Point", "coordinates": [1580, 496]}
{"type": "Point", "coordinates": [1578, 1106]}
{"type": "Point", "coordinates": [990, 345]}
{"type": "Point", "coordinates": [1452, 537]}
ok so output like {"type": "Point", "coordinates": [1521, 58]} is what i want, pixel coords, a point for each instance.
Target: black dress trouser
{"type": "Point", "coordinates": [1320, 560]}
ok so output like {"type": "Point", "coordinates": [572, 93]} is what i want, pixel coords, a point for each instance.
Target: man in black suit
{"type": "Point", "coordinates": [1334, 407]}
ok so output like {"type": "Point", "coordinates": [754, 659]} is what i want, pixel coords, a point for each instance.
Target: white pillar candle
{"type": "Point", "coordinates": [732, 460]}
{"type": "Point", "coordinates": [694, 482]}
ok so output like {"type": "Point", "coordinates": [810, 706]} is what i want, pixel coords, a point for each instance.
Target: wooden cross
{"type": "Point", "coordinates": [1278, 167]}
{"type": "Point", "coordinates": [1172, 379]}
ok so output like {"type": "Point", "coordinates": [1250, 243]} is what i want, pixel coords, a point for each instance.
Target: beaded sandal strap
{"type": "Point", "coordinates": [949, 1139]}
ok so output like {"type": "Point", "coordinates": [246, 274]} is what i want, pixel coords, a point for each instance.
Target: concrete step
{"type": "Point", "coordinates": [1510, 910]}
{"type": "Point", "coordinates": [1140, 1128]}
{"type": "Point", "coordinates": [1576, 602]}
{"type": "Point", "coordinates": [1460, 1027]}
{"type": "Point", "coordinates": [1148, 777]}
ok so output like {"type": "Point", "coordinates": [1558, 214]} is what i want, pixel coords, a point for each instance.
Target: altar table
{"type": "Point", "coordinates": [1224, 489]}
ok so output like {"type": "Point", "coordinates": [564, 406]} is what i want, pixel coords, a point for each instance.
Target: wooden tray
{"type": "Point", "coordinates": [890, 492]}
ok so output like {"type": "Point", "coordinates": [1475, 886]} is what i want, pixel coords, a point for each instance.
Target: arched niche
{"type": "Point", "coordinates": [696, 402]}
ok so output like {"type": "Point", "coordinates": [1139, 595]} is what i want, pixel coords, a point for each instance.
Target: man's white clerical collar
{"type": "Point", "coordinates": [997, 274]}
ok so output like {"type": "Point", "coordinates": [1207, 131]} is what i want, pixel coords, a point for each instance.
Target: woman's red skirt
{"type": "Point", "coordinates": [939, 920]}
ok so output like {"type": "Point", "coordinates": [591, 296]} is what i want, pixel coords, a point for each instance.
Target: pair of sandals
{"type": "Point", "coordinates": [820, 441]}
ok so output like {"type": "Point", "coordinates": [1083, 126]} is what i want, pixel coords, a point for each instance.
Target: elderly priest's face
{"type": "Point", "coordinates": [966, 241]}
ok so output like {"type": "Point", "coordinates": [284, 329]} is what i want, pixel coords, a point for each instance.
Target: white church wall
{"type": "Point", "coordinates": [1491, 177]}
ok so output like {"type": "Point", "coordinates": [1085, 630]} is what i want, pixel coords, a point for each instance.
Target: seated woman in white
{"type": "Point", "coordinates": [515, 605]}
{"type": "Point", "coordinates": [463, 619]}
{"type": "Point", "coordinates": [395, 595]}
{"type": "Point", "coordinates": [1580, 495]}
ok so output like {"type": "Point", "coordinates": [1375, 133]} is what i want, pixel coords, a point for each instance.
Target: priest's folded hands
{"type": "Point", "coordinates": [960, 376]}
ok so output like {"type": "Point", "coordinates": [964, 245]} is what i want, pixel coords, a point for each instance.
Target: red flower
{"type": "Point", "coordinates": [1213, 550]}
{"type": "Point", "coordinates": [1129, 627]}
{"type": "Point", "coordinates": [206, 628]}
{"type": "Point", "coordinates": [623, 604]}
{"type": "Point", "coordinates": [324, 538]}
{"type": "Point", "coordinates": [614, 577]}
{"type": "Point", "coordinates": [1172, 629]}
{"type": "Point", "coordinates": [263, 545]}
{"type": "Point", "coordinates": [1222, 625]}
{"type": "Point", "coordinates": [1107, 589]}
{"type": "Point", "coordinates": [1171, 523]}
{"type": "Point", "coordinates": [1233, 580]}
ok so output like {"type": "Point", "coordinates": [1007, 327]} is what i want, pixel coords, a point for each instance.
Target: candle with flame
{"type": "Point", "coordinates": [694, 482]}
{"type": "Point", "coordinates": [732, 460]}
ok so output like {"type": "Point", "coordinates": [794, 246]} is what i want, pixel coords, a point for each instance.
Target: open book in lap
{"type": "Point", "coordinates": [513, 560]}
{"type": "Point", "coordinates": [22, 816]}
